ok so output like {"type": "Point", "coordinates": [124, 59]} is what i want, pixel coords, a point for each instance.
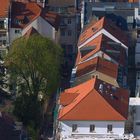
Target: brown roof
{"type": "Point", "coordinates": [97, 64]}
{"type": "Point", "coordinates": [92, 103]}
{"type": "Point", "coordinates": [4, 6]}
{"type": "Point", "coordinates": [103, 24]}
{"type": "Point", "coordinates": [106, 45]}
{"type": "Point", "coordinates": [25, 13]}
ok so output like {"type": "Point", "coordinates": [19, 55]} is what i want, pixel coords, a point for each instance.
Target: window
{"type": "Point", "coordinates": [130, 19]}
{"type": "Point", "coordinates": [109, 128]}
{"type": "Point", "coordinates": [62, 32]}
{"type": "Point", "coordinates": [69, 32]}
{"type": "Point", "coordinates": [69, 49]}
{"type": "Point", "coordinates": [17, 31]}
{"type": "Point", "coordinates": [74, 127]}
{"type": "Point", "coordinates": [92, 128]}
{"type": "Point", "coordinates": [64, 48]}
{"type": "Point", "coordinates": [137, 123]}
{"type": "Point", "coordinates": [69, 21]}
{"type": "Point", "coordinates": [1, 24]}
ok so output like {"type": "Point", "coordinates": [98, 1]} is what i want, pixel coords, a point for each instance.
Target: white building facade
{"type": "Point", "coordinates": [40, 24]}
{"type": "Point", "coordinates": [101, 129]}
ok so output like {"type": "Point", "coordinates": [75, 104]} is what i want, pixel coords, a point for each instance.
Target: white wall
{"type": "Point", "coordinates": [137, 16]}
{"type": "Point", "coordinates": [137, 121]}
{"type": "Point", "coordinates": [134, 105]}
{"type": "Point", "coordinates": [84, 127]}
{"type": "Point", "coordinates": [13, 35]}
{"type": "Point", "coordinates": [43, 27]}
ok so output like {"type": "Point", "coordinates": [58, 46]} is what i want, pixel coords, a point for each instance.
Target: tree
{"type": "Point", "coordinates": [35, 65]}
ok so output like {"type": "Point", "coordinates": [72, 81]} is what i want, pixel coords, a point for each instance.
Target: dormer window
{"type": "Point", "coordinates": [25, 20]}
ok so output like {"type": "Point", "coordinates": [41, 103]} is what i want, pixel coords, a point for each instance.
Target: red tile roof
{"type": "Point", "coordinates": [103, 24]}
{"type": "Point", "coordinates": [25, 13]}
{"type": "Point", "coordinates": [91, 104]}
{"type": "Point", "coordinates": [97, 64]}
{"type": "Point", "coordinates": [4, 6]}
{"type": "Point", "coordinates": [66, 98]}
{"type": "Point", "coordinates": [106, 45]}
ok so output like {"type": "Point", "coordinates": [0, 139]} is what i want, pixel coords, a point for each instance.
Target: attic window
{"type": "Point", "coordinates": [26, 19]}
{"type": "Point", "coordinates": [18, 22]}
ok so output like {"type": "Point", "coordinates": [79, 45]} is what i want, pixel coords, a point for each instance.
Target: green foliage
{"type": "Point", "coordinates": [32, 132]}
{"type": "Point", "coordinates": [34, 65]}
{"type": "Point", "coordinates": [28, 110]}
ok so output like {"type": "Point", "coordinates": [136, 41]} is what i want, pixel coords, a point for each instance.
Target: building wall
{"type": "Point", "coordinates": [134, 115]}
{"type": "Point", "coordinates": [100, 75]}
{"type": "Point", "coordinates": [43, 27]}
{"type": "Point", "coordinates": [14, 35]}
{"type": "Point", "coordinates": [137, 121]}
{"type": "Point", "coordinates": [137, 53]}
{"type": "Point", "coordinates": [4, 32]}
{"type": "Point", "coordinates": [65, 28]}
{"type": "Point", "coordinates": [84, 127]}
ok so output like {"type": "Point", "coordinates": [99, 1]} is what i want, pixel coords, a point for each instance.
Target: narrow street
{"type": "Point", "coordinates": [47, 125]}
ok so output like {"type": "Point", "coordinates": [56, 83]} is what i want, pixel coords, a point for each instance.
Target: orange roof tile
{"type": "Point", "coordinates": [103, 24]}
{"type": "Point", "coordinates": [66, 98]}
{"type": "Point", "coordinates": [97, 64]}
{"type": "Point", "coordinates": [92, 104]}
{"type": "Point", "coordinates": [4, 6]}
